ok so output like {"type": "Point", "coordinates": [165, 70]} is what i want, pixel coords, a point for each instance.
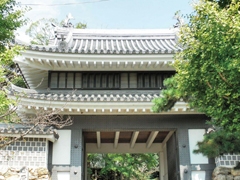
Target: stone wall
{"type": "Point", "coordinates": [224, 173]}
{"type": "Point", "coordinates": [10, 173]}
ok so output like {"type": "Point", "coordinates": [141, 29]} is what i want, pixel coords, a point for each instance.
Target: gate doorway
{"type": "Point", "coordinates": [131, 141]}
{"type": "Point", "coordinates": [119, 166]}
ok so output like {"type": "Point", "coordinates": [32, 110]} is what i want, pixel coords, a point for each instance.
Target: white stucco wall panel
{"type": "Point", "coordinates": [62, 148]}
{"type": "Point", "coordinates": [196, 135]}
{"type": "Point", "coordinates": [198, 175]}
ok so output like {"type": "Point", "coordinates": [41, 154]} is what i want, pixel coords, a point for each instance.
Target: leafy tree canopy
{"type": "Point", "coordinates": [222, 3]}
{"type": "Point", "coordinates": [218, 143]}
{"type": "Point", "coordinates": [11, 18]}
{"type": "Point", "coordinates": [127, 166]}
{"type": "Point", "coordinates": [208, 69]}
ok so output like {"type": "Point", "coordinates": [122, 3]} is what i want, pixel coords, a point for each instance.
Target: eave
{"type": "Point", "coordinates": [29, 101]}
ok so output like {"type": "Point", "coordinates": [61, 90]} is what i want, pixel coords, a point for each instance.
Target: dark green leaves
{"type": "Point", "coordinates": [208, 69]}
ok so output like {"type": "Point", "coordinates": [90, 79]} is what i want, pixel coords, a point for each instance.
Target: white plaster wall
{"type": "Point", "coordinates": [62, 148]}
{"type": "Point", "coordinates": [196, 135]}
{"type": "Point", "coordinates": [63, 175]}
{"type": "Point", "coordinates": [198, 175]}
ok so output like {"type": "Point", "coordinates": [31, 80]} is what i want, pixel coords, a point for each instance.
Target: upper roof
{"type": "Point", "coordinates": [98, 50]}
{"type": "Point", "coordinates": [92, 41]}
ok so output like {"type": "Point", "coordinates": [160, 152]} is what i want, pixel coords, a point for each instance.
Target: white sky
{"type": "Point", "coordinates": [112, 14]}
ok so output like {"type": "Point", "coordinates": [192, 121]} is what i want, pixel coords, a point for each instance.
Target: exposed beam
{"type": "Point", "coordinates": [156, 64]}
{"type": "Point", "coordinates": [133, 64]}
{"type": "Point", "coordinates": [64, 63]}
{"type": "Point", "coordinates": [149, 63]}
{"type": "Point", "coordinates": [167, 138]}
{"type": "Point", "coordinates": [40, 61]}
{"type": "Point", "coordinates": [98, 139]}
{"type": "Point", "coordinates": [116, 139]}
{"type": "Point", "coordinates": [79, 63]}
{"type": "Point", "coordinates": [134, 139]}
{"type": "Point", "coordinates": [56, 62]}
{"type": "Point", "coordinates": [49, 63]}
{"type": "Point", "coordinates": [151, 138]}
{"type": "Point", "coordinates": [126, 63]}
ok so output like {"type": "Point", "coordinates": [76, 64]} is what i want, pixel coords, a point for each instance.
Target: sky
{"type": "Point", "coordinates": [110, 14]}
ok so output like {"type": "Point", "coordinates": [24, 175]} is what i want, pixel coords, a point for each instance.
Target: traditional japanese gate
{"type": "Point", "coordinates": [106, 80]}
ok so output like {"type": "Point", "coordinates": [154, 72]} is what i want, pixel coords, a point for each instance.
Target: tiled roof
{"type": "Point", "coordinates": [89, 96]}
{"type": "Point", "coordinates": [86, 41]}
{"type": "Point", "coordinates": [17, 129]}
{"type": "Point", "coordinates": [22, 130]}
{"type": "Point", "coordinates": [90, 101]}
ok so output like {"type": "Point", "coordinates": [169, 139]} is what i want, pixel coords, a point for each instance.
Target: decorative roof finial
{"type": "Point", "coordinates": [179, 19]}
{"type": "Point", "coordinates": [67, 22]}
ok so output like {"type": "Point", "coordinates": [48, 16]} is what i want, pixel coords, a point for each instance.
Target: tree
{"type": "Point", "coordinates": [11, 18]}
{"type": "Point", "coordinates": [42, 30]}
{"type": "Point", "coordinates": [222, 3]}
{"type": "Point", "coordinates": [208, 67]}
{"type": "Point", "coordinates": [42, 120]}
{"type": "Point", "coordinates": [124, 166]}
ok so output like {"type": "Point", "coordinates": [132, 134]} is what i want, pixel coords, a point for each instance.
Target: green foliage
{"type": "Point", "coordinates": [80, 26]}
{"type": "Point", "coordinates": [218, 143]}
{"type": "Point", "coordinates": [208, 69]}
{"type": "Point", "coordinates": [168, 96]}
{"type": "Point", "coordinates": [222, 3]}
{"type": "Point", "coordinates": [127, 165]}
{"type": "Point", "coordinates": [42, 31]}
{"type": "Point", "coordinates": [18, 81]}
{"type": "Point", "coordinates": [11, 18]}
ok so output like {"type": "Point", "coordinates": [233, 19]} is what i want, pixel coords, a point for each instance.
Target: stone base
{"type": "Point", "coordinates": [10, 173]}
{"type": "Point", "coordinates": [224, 173]}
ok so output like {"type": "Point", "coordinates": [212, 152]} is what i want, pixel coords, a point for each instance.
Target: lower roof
{"type": "Point", "coordinates": [91, 102]}
{"type": "Point", "coordinates": [16, 130]}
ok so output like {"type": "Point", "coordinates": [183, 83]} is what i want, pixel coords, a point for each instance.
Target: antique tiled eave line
{"type": "Point", "coordinates": [50, 134]}
{"type": "Point", "coordinates": [77, 103]}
